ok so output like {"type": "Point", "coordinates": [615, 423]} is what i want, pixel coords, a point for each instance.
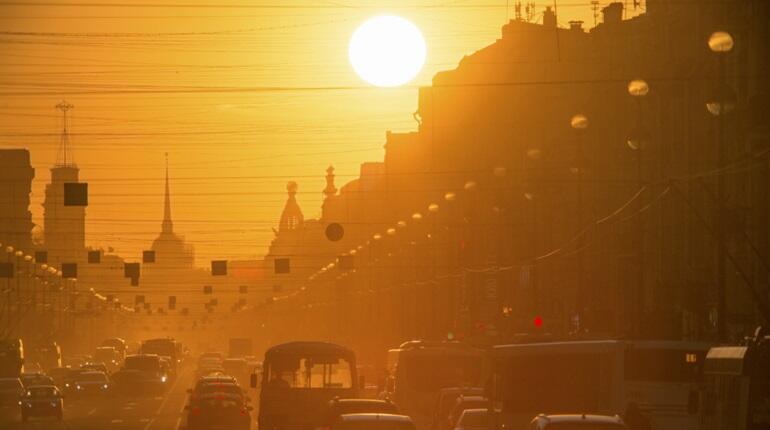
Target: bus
{"type": "Point", "coordinates": [11, 358]}
{"type": "Point", "coordinates": [298, 381]}
{"type": "Point", "coordinates": [738, 386]}
{"type": "Point", "coordinates": [662, 378]}
{"type": "Point", "coordinates": [418, 370]}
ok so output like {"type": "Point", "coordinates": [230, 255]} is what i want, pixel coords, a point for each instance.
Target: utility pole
{"type": "Point", "coordinates": [595, 8]}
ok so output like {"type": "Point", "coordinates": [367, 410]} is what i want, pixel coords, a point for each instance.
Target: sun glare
{"type": "Point", "coordinates": [387, 51]}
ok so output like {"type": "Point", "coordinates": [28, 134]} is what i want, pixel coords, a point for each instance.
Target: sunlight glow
{"type": "Point", "coordinates": [387, 51]}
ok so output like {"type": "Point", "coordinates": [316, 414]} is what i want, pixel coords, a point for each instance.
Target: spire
{"type": "Point", "coordinates": [167, 226]}
{"type": "Point", "coordinates": [330, 189]}
{"type": "Point", "coordinates": [291, 218]}
{"type": "Point", "coordinates": [64, 157]}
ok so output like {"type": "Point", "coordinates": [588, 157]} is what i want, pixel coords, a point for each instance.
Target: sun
{"type": "Point", "coordinates": [387, 51]}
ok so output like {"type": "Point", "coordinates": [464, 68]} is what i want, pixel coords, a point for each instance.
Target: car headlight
{"type": "Point", "coordinates": [54, 404]}
{"type": "Point", "coordinates": [163, 378]}
{"type": "Point", "coordinates": [78, 387]}
{"type": "Point", "coordinates": [67, 384]}
{"type": "Point", "coordinates": [105, 386]}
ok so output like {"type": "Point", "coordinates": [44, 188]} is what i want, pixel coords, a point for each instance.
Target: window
{"type": "Point", "coordinates": [310, 372]}
{"type": "Point", "coordinates": [434, 372]}
{"type": "Point", "coordinates": [663, 365]}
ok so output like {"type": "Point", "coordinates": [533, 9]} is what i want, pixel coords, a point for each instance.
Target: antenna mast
{"type": "Point", "coordinates": [61, 159]}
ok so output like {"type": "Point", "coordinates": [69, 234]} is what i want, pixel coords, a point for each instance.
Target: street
{"type": "Point", "coordinates": [118, 413]}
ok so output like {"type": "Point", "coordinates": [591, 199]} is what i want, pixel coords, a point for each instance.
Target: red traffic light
{"type": "Point", "coordinates": [538, 321]}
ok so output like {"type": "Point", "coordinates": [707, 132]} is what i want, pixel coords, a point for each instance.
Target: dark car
{"type": "Point", "coordinates": [11, 390]}
{"type": "Point", "coordinates": [59, 375]}
{"type": "Point", "coordinates": [91, 384]}
{"type": "Point", "coordinates": [445, 402]}
{"type": "Point", "coordinates": [338, 407]}
{"type": "Point", "coordinates": [37, 378]}
{"type": "Point", "coordinates": [218, 411]}
{"type": "Point", "coordinates": [373, 422]}
{"type": "Point", "coordinates": [42, 401]}
{"type": "Point", "coordinates": [466, 402]}
{"type": "Point", "coordinates": [69, 380]}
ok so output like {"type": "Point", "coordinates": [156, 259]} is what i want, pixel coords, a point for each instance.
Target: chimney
{"type": "Point", "coordinates": [613, 13]}
{"type": "Point", "coordinates": [549, 18]}
{"type": "Point", "coordinates": [576, 26]}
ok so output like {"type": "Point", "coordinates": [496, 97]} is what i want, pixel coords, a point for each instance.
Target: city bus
{"type": "Point", "coordinates": [298, 381]}
{"type": "Point", "coordinates": [663, 379]}
{"type": "Point", "coordinates": [738, 386]}
{"type": "Point", "coordinates": [419, 370]}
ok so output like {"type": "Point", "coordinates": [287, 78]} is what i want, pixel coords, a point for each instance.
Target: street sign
{"type": "Point", "coordinates": [282, 265]}
{"type": "Point", "coordinates": [94, 257]}
{"type": "Point", "coordinates": [69, 270]}
{"type": "Point", "coordinates": [219, 267]}
{"type": "Point", "coordinates": [75, 194]}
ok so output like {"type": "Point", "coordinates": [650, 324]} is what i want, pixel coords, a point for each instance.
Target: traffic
{"type": "Point", "coordinates": [604, 384]}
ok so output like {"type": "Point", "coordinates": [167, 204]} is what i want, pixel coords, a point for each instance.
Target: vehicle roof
{"type": "Point", "coordinates": [233, 360]}
{"type": "Point", "coordinates": [476, 411]}
{"type": "Point", "coordinates": [455, 390]}
{"type": "Point", "coordinates": [143, 356]}
{"type": "Point", "coordinates": [362, 401]}
{"type": "Point", "coordinates": [375, 417]}
{"type": "Point", "coordinates": [596, 346]}
{"type": "Point", "coordinates": [9, 379]}
{"type": "Point", "coordinates": [463, 399]}
{"type": "Point", "coordinates": [578, 418]}
{"type": "Point", "coordinates": [216, 378]}
{"type": "Point", "coordinates": [93, 373]}
{"type": "Point", "coordinates": [300, 346]}
{"type": "Point", "coordinates": [105, 348]}
{"type": "Point", "coordinates": [43, 386]}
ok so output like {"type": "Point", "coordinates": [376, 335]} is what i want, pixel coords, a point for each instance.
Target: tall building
{"type": "Point", "coordinates": [16, 176]}
{"type": "Point", "coordinates": [171, 251]}
{"type": "Point", "coordinates": [64, 226]}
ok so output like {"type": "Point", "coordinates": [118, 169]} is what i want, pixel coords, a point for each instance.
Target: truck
{"type": "Point", "coordinates": [239, 347]}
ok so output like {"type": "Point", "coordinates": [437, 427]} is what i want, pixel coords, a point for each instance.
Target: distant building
{"type": "Point", "coordinates": [171, 251]}
{"type": "Point", "coordinates": [16, 174]}
{"type": "Point", "coordinates": [64, 227]}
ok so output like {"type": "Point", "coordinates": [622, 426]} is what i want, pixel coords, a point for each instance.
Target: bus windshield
{"type": "Point", "coordinates": [429, 373]}
{"type": "Point", "coordinates": [298, 371]}
{"type": "Point", "coordinates": [556, 383]}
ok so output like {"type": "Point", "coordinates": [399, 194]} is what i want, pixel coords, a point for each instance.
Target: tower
{"type": "Point", "coordinates": [291, 217]}
{"type": "Point", "coordinates": [171, 251]}
{"type": "Point", "coordinates": [64, 226]}
{"type": "Point", "coordinates": [16, 174]}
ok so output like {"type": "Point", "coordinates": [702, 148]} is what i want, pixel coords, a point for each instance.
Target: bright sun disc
{"type": "Point", "coordinates": [387, 51]}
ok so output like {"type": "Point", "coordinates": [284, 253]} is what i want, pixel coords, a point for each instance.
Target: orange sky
{"type": "Point", "coordinates": [243, 95]}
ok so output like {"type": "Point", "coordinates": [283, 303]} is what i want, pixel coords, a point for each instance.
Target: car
{"type": "Point", "coordinates": [59, 375]}
{"type": "Point", "coordinates": [69, 380]}
{"type": "Point", "coordinates": [11, 389]}
{"type": "Point", "coordinates": [94, 366]}
{"type": "Point", "coordinates": [218, 410]}
{"type": "Point", "coordinates": [465, 402]}
{"type": "Point", "coordinates": [118, 344]}
{"type": "Point", "coordinates": [151, 375]}
{"type": "Point", "coordinates": [445, 401]}
{"type": "Point", "coordinates": [210, 355]}
{"type": "Point", "coordinates": [473, 419]}
{"type": "Point", "coordinates": [338, 407]}
{"type": "Point", "coordinates": [577, 422]}
{"type": "Point", "coordinates": [42, 401]}
{"type": "Point", "coordinates": [37, 378]}
{"type": "Point", "coordinates": [373, 422]}
{"type": "Point", "coordinates": [211, 384]}
{"type": "Point", "coordinates": [91, 384]}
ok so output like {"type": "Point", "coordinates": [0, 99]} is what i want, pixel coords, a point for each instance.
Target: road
{"type": "Point", "coordinates": [114, 413]}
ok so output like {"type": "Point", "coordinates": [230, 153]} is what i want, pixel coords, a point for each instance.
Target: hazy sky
{"type": "Point", "coordinates": [243, 95]}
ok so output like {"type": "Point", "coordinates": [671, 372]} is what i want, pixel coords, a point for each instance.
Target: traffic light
{"type": "Point", "coordinates": [282, 265]}
{"type": "Point", "coordinates": [537, 321]}
{"type": "Point", "coordinates": [219, 267]}
{"type": "Point", "coordinates": [243, 289]}
{"type": "Point", "coordinates": [6, 270]}
{"type": "Point", "coordinates": [148, 256]}
{"type": "Point", "coordinates": [208, 289]}
{"type": "Point", "coordinates": [94, 257]}
{"type": "Point", "coordinates": [41, 257]}
{"type": "Point", "coordinates": [171, 303]}
{"type": "Point", "coordinates": [69, 270]}
{"type": "Point", "coordinates": [75, 194]}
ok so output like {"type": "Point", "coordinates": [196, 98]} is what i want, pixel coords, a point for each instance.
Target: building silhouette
{"type": "Point", "coordinates": [16, 174]}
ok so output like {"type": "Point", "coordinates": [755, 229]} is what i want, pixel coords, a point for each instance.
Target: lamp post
{"type": "Point", "coordinates": [721, 102]}
{"type": "Point", "coordinates": [637, 141]}
{"type": "Point", "coordinates": [579, 123]}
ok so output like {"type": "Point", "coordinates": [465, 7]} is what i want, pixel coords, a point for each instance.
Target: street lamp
{"type": "Point", "coordinates": [579, 123]}
{"type": "Point", "coordinates": [433, 208]}
{"type": "Point", "coordinates": [450, 196]}
{"type": "Point", "coordinates": [638, 139]}
{"type": "Point", "coordinates": [723, 101]}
